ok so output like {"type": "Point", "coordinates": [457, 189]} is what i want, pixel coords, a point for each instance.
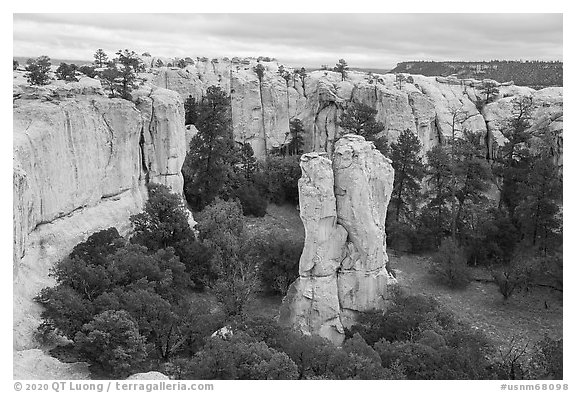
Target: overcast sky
{"type": "Point", "coordinates": [364, 40]}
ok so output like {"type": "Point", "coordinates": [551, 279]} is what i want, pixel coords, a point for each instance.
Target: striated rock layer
{"type": "Point", "coordinates": [343, 264]}
{"type": "Point", "coordinates": [262, 110]}
{"type": "Point", "coordinates": [81, 164]}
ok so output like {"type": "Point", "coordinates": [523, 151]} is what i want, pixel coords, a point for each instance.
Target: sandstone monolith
{"type": "Point", "coordinates": [343, 264]}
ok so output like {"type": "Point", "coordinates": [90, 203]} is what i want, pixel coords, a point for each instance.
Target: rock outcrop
{"type": "Point", "coordinates": [343, 264]}
{"type": "Point", "coordinates": [149, 376]}
{"type": "Point", "coordinates": [262, 110]}
{"type": "Point", "coordinates": [81, 164]}
{"type": "Point", "coordinates": [35, 364]}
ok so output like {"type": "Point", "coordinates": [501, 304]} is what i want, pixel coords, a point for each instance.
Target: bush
{"type": "Point", "coordinates": [222, 230]}
{"type": "Point", "coordinates": [65, 311]}
{"type": "Point", "coordinates": [67, 72]}
{"type": "Point", "coordinates": [449, 265]}
{"type": "Point", "coordinates": [279, 259]}
{"type": "Point", "coordinates": [427, 341]}
{"type": "Point", "coordinates": [420, 361]}
{"type": "Point", "coordinates": [280, 177]}
{"type": "Point", "coordinates": [240, 357]}
{"type": "Point", "coordinates": [253, 204]}
{"type": "Point", "coordinates": [402, 320]}
{"type": "Point", "coordinates": [399, 236]}
{"type": "Point", "coordinates": [494, 240]}
{"type": "Point", "coordinates": [15, 64]}
{"type": "Point", "coordinates": [87, 70]}
{"type": "Point", "coordinates": [547, 360]}
{"type": "Point", "coordinates": [112, 342]}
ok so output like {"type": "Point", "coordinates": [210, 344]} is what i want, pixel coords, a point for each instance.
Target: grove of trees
{"type": "Point", "coordinates": [446, 194]}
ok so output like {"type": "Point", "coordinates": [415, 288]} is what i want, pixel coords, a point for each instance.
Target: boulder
{"type": "Point", "coordinates": [149, 376]}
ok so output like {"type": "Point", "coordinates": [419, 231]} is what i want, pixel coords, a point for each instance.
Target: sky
{"type": "Point", "coordinates": [310, 40]}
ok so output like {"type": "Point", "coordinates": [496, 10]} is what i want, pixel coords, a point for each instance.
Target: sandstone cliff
{"type": "Point", "coordinates": [81, 163]}
{"type": "Point", "coordinates": [261, 111]}
{"type": "Point", "coordinates": [343, 264]}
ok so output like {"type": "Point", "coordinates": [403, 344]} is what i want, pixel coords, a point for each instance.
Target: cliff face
{"type": "Point", "coordinates": [261, 111]}
{"type": "Point", "coordinates": [81, 162]}
{"type": "Point", "coordinates": [343, 264]}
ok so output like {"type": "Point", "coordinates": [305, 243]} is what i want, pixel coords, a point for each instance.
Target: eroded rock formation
{"type": "Point", "coordinates": [81, 164]}
{"type": "Point", "coordinates": [261, 111]}
{"type": "Point", "coordinates": [343, 264]}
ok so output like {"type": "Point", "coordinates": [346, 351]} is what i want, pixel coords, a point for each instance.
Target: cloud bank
{"type": "Point", "coordinates": [364, 40]}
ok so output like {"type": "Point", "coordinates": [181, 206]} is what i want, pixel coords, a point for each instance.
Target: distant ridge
{"type": "Point", "coordinates": [535, 74]}
{"type": "Point", "coordinates": [22, 60]}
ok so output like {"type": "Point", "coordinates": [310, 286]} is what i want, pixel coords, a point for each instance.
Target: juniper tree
{"type": "Point", "coordinates": [67, 72]}
{"type": "Point", "coordinates": [38, 70]}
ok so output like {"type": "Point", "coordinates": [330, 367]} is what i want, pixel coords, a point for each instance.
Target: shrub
{"type": "Point", "coordinates": [240, 357]}
{"type": "Point", "coordinates": [279, 258]}
{"type": "Point", "coordinates": [112, 342]}
{"type": "Point", "coordinates": [253, 204]}
{"type": "Point", "coordinates": [65, 311]}
{"type": "Point", "coordinates": [449, 265]}
{"type": "Point", "coordinates": [399, 236]}
{"type": "Point", "coordinates": [87, 70]}
{"type": "Point", "coordinates": [401, 321]}
{"type": "Point", "coordinates": [15, 64]}
{"type": "Point", "coordinates": [67, 72]}
{"type": "Point", "coordinates": [280, 179]}
{"type": "Point", "coordinates": [546, 362]}
{"type": "Point", "coordinates": [222, 229]}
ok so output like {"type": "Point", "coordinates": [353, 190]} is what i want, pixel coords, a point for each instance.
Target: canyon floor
{"type": "Point", "coordinates": [526, 316]}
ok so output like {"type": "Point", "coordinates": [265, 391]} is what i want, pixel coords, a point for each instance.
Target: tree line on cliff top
{"type": "Point", "coordinates": [118, 75]}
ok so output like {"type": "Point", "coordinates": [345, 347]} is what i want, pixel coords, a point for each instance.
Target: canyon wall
{"type": "Point", "coordinates": [342, 268]}
{"type": "Point", "coordinates": [81, 163]}
{"type": "Point", "coordinates": [262, 110]}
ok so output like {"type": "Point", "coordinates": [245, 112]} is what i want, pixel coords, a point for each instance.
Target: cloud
{"type": "Point", "coordinates": [368, 40]}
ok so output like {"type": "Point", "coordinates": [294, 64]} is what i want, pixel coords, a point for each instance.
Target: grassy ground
{"type": "Point", "coordinates": [526, 316]}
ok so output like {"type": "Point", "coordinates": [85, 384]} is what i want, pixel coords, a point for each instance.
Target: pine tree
{"type": "Point", "coordinates": [100, 58]}
{"type": "Point", "coordinates": [190, 110]}
{"type": "Point", "coordinates": [297, 142]}
{"type": "Point", "coordinates": [408, 172]}
{"type": "Point", "coordinates": [360, 119]}
{"type": "Point", "coordinates": [342, 68]}
{"type": "Point", "coordinates": [207, 164]}
{"type": "Point", "coordinates": [121, 73]}
{"type": "Point", "coordinates": [538, 210]}
{"type": "Point", "coordinates": [513, 163]}
{"type": "Point", "coordinates": [439, 173]}
{"type": "Point", "coordinates": [471, 174]}
{"type": "Point", "coordinates": [247, 161]}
